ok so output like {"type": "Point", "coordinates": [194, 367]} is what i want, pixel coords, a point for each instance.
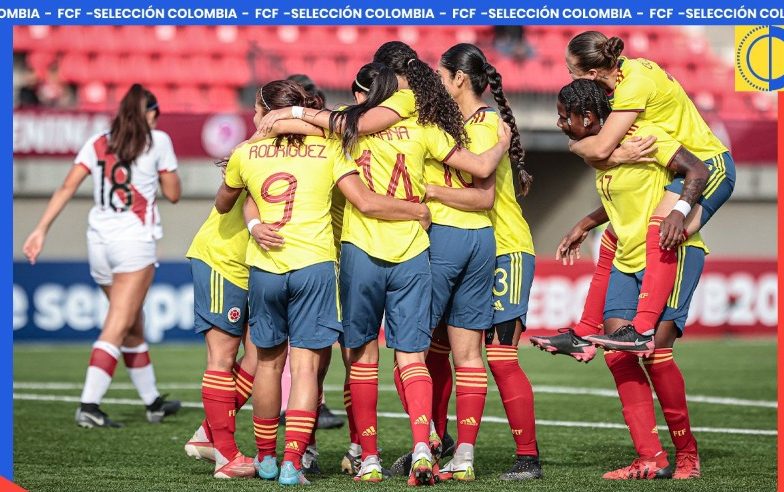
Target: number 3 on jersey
{"type": "Point", "coordinates": [398, 172]}
{"type": "Point", "coordinates": [287, 197]}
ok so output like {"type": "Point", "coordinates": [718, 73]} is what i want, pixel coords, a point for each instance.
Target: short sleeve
{"type": "Point", "coordinates": [167, 161]}
{"type": "Point", "coordinates": [233, 178]}
{"type": "Point", "coordinates": [440, 145]}
{"type": "Point", "coordinates": [633, 93]}
{"type": "Point", "coordinates": [667, 146]}
{"type": "Point", "coordinates": [481, 136]}
{"type": "Point", "coordinates": [342, 165]}
{"type": "Point", "coordinates": [401, 102]}
{"type": "Point", "coordinates": [87, 157]}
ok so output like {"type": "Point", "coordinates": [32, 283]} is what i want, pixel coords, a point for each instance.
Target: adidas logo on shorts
{"type": "Point", "coordinates": [498, 306]}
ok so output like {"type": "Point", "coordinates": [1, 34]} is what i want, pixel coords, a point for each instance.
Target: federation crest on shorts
{"type": "Point", "coordinates": [234, 314]}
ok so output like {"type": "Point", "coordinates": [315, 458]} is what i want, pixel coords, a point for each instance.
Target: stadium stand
{"type": "Point", "coordinates": [204, 68]}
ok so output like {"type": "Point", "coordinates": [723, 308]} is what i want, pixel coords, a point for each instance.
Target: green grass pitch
{"type": "Point", "coordinates": [739, 376]}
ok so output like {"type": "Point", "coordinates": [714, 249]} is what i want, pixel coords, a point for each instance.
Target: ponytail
{"type": "Point", "coordinates": [130, 135]}
{"type": "Point", "coordinates": [380, 83]}
{"type": "Point", "coordinates": [516, 151]}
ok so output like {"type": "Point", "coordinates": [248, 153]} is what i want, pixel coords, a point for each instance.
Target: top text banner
{"type": "Point", "coordinates": [378, 12]}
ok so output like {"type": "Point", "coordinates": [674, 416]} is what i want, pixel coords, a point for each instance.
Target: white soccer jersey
{"type": "Point", "coordinates": [125, 193]}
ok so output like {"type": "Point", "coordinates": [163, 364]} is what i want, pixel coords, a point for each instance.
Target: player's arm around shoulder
{"type": "Point", "coordinates": [232, 185]}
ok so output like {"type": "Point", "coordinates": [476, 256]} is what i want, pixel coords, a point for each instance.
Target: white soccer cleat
{"type": "Point", "coordinates": [199, 446]}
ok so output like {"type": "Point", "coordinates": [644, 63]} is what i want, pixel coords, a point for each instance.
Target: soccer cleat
{"type": "Point", "coordinates": [310, 461]}
{"type": "Point", "coordinates": [640, 469]}
{"type": "Point", "coordinates": [89, 415]}
{"type": "Point", "coordinates": [421, 466]}
{"type": "Point", "coordinates": [625, 339]}
{"type": "Point", "coordinates": [402, 466]}
{"type": "Point", "coordinates": [350, 463]}
{"type": "Point", "coordinates": [461, 467]}
{"type": "Point", "coordinates": [439, 448]}
{"type": "Point", "coordinates": [687, 465]}
{"type": "Point", "coordinates": [291, 476]}
{"type": "Point", "coordinates": [199, 446]}
{"type": "Point", "coordinates": [267, 468]}
{"type": "Point", "coordinates": [524, 468]}
{"type": "Point", "coordinates": [567, 343]}
{"type": "Point", "coordinates": [327, 419]}
{"type": "Point", "coordinates": [448, 445]}
{"type": "Point", "coordinates": [161, 408]}
{"type": "Point", "coordinates": [239, 467]}
{"type": "Point", "coordinates": [370, 470]}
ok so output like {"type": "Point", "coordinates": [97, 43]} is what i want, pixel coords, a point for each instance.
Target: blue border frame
{"type": "Point", "coordinates": [6, 252]}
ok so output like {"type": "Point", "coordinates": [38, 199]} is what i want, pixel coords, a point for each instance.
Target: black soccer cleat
{"type": "Point", "coordinates": [89, 415]}
{"type": "Point", "coordinates": [625, 339]}
{"type": "Point", "coordinates": [160, 408]}
{"type": "Point", "coordinates": [327, 419]}
{"type": "Point", "coordinates": [448, 446]}
{"type": "Point", "coordinates": [441, 449]}
{"type": "Point", "coordinates": [567, 343]}
{"type": "Point", "coordinates": [524, 468]}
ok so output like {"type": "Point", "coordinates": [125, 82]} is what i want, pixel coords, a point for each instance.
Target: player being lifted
{"type": "Point", "coordinates": [629, 194]}
{"type": "Point", "coordinates": [127, 164]}
{"type": "Point", "coordinates": [641, 91]}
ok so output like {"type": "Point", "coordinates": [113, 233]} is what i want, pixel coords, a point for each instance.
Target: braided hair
{"type": "Point", "coordinates": [470, 60]}
{"type": "Point", "coordinates": [433, 103]}
{"type": "Point", "coordinates": [379, 83]}
{"type": "Point", "coordinates": [582, 96]}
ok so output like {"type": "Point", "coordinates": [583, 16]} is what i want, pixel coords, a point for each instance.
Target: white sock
{"type": "Point", "coordinates": [99, 376]}
{"type": "Point", "coordinates": [143, 377]}
{"type": "Point", "coordinates": [355, 449]}
{"type": "Point", "coordinates": [464, 454]}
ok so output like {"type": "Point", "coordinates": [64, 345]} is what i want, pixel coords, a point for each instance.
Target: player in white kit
{"type": "Point", "coordinates": [127, 165]}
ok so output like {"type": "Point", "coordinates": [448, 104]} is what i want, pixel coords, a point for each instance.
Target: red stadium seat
{"type": "Point", "coordinates": [74, 68]}
{"type": "Point", "coordinates": [93, 96]}
{"type": "Point", "coordinates": [221, 98]}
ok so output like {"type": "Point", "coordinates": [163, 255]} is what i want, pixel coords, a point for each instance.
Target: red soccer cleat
{"type": "Point", "coordinates": [640, 469]}
{"type": "Point", "coordinates": [687, 466]}
{"type": "Point", "coordinates": [239, 467]}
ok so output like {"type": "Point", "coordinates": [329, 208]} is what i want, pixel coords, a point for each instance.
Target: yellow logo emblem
{"type": "Point", "coordinates": [422, 420]}
{"type": "Point", "coordinates": [759, 58]}
{"type": "Point", "coordinates": [370, 431]}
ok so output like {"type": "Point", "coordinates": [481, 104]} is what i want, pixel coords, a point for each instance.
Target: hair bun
{"type": "Point", "coordinates": [613, 48]}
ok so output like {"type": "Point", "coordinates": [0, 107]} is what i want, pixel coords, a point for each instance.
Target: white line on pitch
{"type": "Point", "coordinates": [542, 389]}
{"type": "Point", "coordinates": [394, 415]}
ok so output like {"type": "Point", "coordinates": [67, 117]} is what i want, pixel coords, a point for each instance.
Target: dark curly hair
{"type": "Point", "coordinates": [582, 96]}
{"type": "Point", "coordinates": [471, 61]}
{"type": "Point", "coordinates": [379, 83]}
{"type": "Point", "coordinates": [282, 94]}
{"type": "Point", "coordinates": [592, 50]}
{"type": "Point", "coordinates": [433, 103]}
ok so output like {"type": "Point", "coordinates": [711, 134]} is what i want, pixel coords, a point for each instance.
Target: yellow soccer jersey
{"type": "Point", "coordinates": [631, 192]}
{"type": "Point", "coordinates": [293, 188]}
{"type": "Point", "coordinates": [512, 234]}
{"type": "Point", "coordinates": [221, 243]}
{"type": "Point", "coordinates": [401, 102]}
{"type": "Point", "coordinates": [658, 98]}
{"type": "Point", "coordinates": [392, 162]}
{"type": "Point", "coordinates": [336, 214]}
{"type": "Point", "coordinates": [438, 173]}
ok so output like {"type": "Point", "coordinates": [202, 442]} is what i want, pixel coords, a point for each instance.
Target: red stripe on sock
{"type": "Point", "coordinates": [299, 427]}
{"type": "Point", "coordinates": [244, 385]}
{"type": "Point", "coordinates": [441, 373]}
{"type": "Point", "coordinates": [471, 392]}
{"type": "Point", "coordinates": [593, 311]}
{"type": "Point", "coordinates": [265, 431]}
{"type": "Point", "coordinates": [518, 399]}
{"type": "Point", "coordinates": [670, 389]}
{"type": "Point", "coordinates": [661, 268]}
{"type": "Point", "coordinates": [103, 360]}
{"type": "Point", "coordinates": [134, 360]}
{"type": "Point", "coordinates": [364, 399]}
{"type": "Point", "coordinates": [637, 402]}
{"type": "Point", "coordinates": [220, 409]}
{"type": "Point", "coordinates": [418, 387]}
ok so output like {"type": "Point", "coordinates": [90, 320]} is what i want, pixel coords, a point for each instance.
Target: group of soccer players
{"type": "Point", "coordinates": [402, 209]}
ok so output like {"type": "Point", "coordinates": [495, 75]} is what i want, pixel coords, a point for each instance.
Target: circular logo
{"type": "Point", "coordinates": [234, 314]}
{"type": "Point", "coordinates": [759, 58]}
{"type": "Point", "coordinates": [221, 133]}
